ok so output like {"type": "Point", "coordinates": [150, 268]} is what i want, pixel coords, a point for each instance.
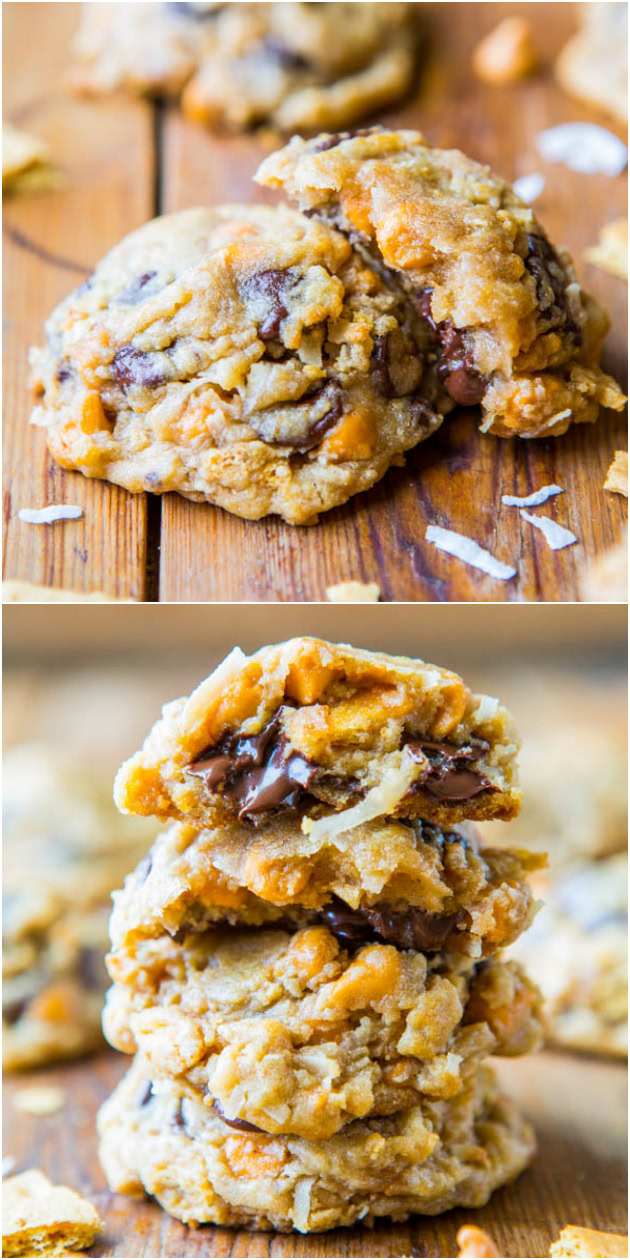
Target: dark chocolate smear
{"type": "Point", "coordinates": [331, 142]}
{"type": "Point", "coordinates": [134, 367]}
{"type": "Point", "coordinates": [542, 262]}
{"type": "Point", "coordinates": [450, 776]}
{"type": "Point", "coordinates": [243, 1126]}
{"type": "Point", "coordinates": [260, 772]}
{"type": "Point", "coordinates": [406, 929]}
{"type": "Point", "coordinates": [456, 366]}
{"type": "Point", "coordinates": [318, 430]}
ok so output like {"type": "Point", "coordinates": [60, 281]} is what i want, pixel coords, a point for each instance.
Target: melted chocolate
{"type": "Point", "coordinates": [409, 929]}
{"type": "Point", "coordinates": [272, 286]}
{"type": "Point", "coordinates": [450, 776]}
{"type": "Point", "coordinates": [134, 367]}
{"type": "Point", "coordinates": [456, 366]}
{"type": "Point", "coordinates": [542, 262]}
{"type": "Point", "coordinates": [134, 294]}
{"type": "Point", "coordinates": [259, 772]}
{"type": "Point", "coordinates": [243, 1126]}
{"type": "Point", "coordinates": [334, 394]}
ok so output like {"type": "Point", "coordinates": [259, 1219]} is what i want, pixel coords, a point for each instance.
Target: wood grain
{"type": "Point", "coordinates": [578, 1106]}
{"type": "Point", "coordinates": [454, 480]}
{"type": "Point", "coordinates": [51, 243]}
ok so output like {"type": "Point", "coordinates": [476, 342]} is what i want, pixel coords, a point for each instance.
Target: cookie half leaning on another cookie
{"type": "Point", "coordinates": [244, 356]}
{"type": "Point", "coordinates": [306, 726]}
{"type": "Point", "coordinates": [425, 1159]}
{"type": "Point", "coordinates": [511, 327]}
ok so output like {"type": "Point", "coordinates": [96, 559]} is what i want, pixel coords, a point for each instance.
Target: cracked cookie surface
{"type": "Point", "coordinates": [295, 66]}
{"type": "Point", "coordinates": [512, 329]}
{"type": "Point", "coordinates": [243, 356]}
{"type": "Point", "coordinates": [426, 1159]}
{"type": "Point", "coordinates": [307, 724]}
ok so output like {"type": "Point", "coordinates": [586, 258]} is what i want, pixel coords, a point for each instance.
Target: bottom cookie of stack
{"type": "Point", "coordinates": [426, 1159]}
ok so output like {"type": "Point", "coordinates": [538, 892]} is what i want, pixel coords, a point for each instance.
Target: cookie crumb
{"type": "Point", "coordinates": [532, 500]}
{"type": "Point", "coordinates": [617, 475]}
{"type": "Point", "coordinates": [470, 552]}
{"type": "Point", "coordinates": [529, 187]}
{"type": "Point", "coordinates": [576, 1241]}
{"type": "Point", "coordinates": [507, 54]}
{"type": "Point", "coordinates": [39, 1100]}
{"type": "Point", "coordinates": [555, 535]}
{"type": "Point", "coordinates": [39, 1218]}
{"type": "Point", "coordinates": [611, 251]}
{"type": "Point", "coordinates": [473, 1241]}
{"type": "Point", "coordinates": [48, 515]}
{"type": "Point", "coordinates": [583, 147]}
{"type": "Point", "coordinates": [14, 592]}
{"type": "Point", "coordinates": [354, 593]}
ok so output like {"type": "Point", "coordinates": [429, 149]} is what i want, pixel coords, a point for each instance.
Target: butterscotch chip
{"type": "Point", "coordinates": [511, 328]}
{"type": "Point", "coordinates": [473, 1241]}
{"type": "Point", "coordinates": [425, 1159]}
{"type": "Point", "coordinates": [305, 725]}
{"type": "Point", "coordinates": [354, 593]}
{"type": "Point", "coordinates": [617, 475]}
{"type": "Point", "coordinates": [39, 1218]}
{"type": "Point", "coordinates": [611, 251]}
{"type": "Point", "coordinates": [507, 54]}
{"type": "Point", "coordinates": [574, 1240]}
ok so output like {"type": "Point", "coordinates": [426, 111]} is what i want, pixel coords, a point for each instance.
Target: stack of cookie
{"type": "Point", "coordinates": [306, 965]}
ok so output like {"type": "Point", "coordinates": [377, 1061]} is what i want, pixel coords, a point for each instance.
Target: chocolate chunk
{"type": "Point", "coordinates": [91, 967]}
{"type": "Point", "coordinates": [134, 294]}
{"type": "Point", "coordinates": [542, 262]}
{"type": "Point", "coordinates": [333, 392]}
{"type": "Point", "coordinates": [243, 1126]}
{"type": "Point", "coordinates": [456, 366]}
{"type": "Point", "coordinates": [143, 1094]}
{"type": "Point", "coordinates": [406, 929]}
{"type": "Point", "coordinates": [177, 1118]}
{"type": "Point", "coordinates": [288, 58]}
{"type": "Point", "coordinates": [271, 286]}
{"type": "Point", "coordinates": [143, 869]}
{"type": "Point", "coordinates": [450, 776]}
{"type": "Point", "coordinates": [134, 367]}
{"type": "Point", "coordinates": [379, 367]}
{"type": "Point", "coordinates": [260, 772]}
{"type": "Point", "coordinates": [64, 371]}
{"type": "Point", "coordinates": [12, 1009]}
{"type": "Point", "coordinates": [331, 142]}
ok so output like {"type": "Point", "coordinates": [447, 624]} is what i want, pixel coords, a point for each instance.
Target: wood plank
{"type": "Point", "coordinates": [51, 242]}
{"type": "Point", "coordinates": [577, 1104]}
{"type": "Point", "coordinates": [457, 478]}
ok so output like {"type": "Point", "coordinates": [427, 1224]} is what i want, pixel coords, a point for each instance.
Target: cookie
{"type": "Point", "coordinates": [594, 64]}
{"type": "Point", "coordinates": [295, 1034]}
{"type": "Point", "coordinates": [305, 725]}
{"type": "Point", "coordinates": [574, 1240]}
{"type": "Point", "coordinates": [425, 1159]}
{"type": "Point", "coordinates": [577, 951]}
{"type": "Point", "coordinates": [65, 849]}
{"type": "Point", "coordinates": [40, 1219]}
{"type": "Point", "coordinates": [511, 328]}
{"type": "Point", "coordinates": [411, 885]}
{"type": "Point", "coordinates": [295, 66]}
{"type": "Point", "coordinates": [243, 356]}
{"type": "Point", "coordinates": [15, 592]}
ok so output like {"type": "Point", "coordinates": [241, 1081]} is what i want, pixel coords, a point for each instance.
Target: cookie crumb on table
{"type": "Point", "coordinates": [611, 251]}
{"type": "Point", "coordinates": [39, 1100]}
{"type": "Point", "coordinates": [575, 1241]}
{"type": "Point", "coordinates": [15, 592]}
{"type": "Point", "coordinates": [354, 593]}
{"type": "Point", "coordinates": [617, 475]}
{"type": "Point", "coordinates": [473, 1241]}
{"type": "Point", "coordinates": [39, 1218]}
{"type": "Point", "coordinates": [507, 54]}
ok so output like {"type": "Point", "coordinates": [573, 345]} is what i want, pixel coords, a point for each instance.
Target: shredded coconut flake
{"type": "Point", "coordinates": [532, 500]}
{"type": "Point", "coordinates": [555, 535]}
{"type": "Point", "coordinates": [380, 800]}
{"type": "Point", "coordinates": [47, 515]}
{"type": "Point", "coordinates": [302, 1202]}
{"type": "Point", "coordinates": [583, 147]}
{"type": "Point", "coordinates": [529, 187]}
{"type": "Point", "coordinates": [470, 552]}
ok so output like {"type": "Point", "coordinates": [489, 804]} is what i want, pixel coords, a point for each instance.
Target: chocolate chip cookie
{"type": "Point", "coordinates": [244, 356]}
{"type": "Point", "coordinates": [65, 849]}
{"type": "Point", "coordinates": [296, 66]}
{"type": "Point", "coordinates": [511, 328]}
{"type": "Point", "coordinates": [409, 884]}
{"type": "Point", "coordinates": [306, 726]}
{"type": "Point", "coordinates": [426, 1159]}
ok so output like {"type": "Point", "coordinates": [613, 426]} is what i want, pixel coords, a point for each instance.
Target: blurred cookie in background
{"type": "Point", "coordinates": [294, 66]}
{"type": "Point", "coordinates": [577, 951]}
{"type": "Point", "coordinates": [593, 66]}
{"type": "Point", "coordinates": [65, 849]}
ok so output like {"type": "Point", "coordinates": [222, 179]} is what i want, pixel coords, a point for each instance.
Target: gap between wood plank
{"type": "Point", "coordinates": [154, 501]}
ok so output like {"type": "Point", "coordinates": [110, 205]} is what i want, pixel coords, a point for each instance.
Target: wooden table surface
{"type": "Point", "coordinates": [125, 160]}
{"type": "Point", "coordinates": [577, 1104]}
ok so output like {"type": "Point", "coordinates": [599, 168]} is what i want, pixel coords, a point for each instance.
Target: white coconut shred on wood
{"type": "Point", "coordinates": [532, 500]}
{"type": "Point", "coordinates": [469, 552]}
{"type": "Point", "coordinates": [48, 515]}
{"type": "Point", "coordinates": [583, 147]}
{"type": "Point", "coordinates": [555, 535]}
{"type": "Point", "coordinates": [529, 187]}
